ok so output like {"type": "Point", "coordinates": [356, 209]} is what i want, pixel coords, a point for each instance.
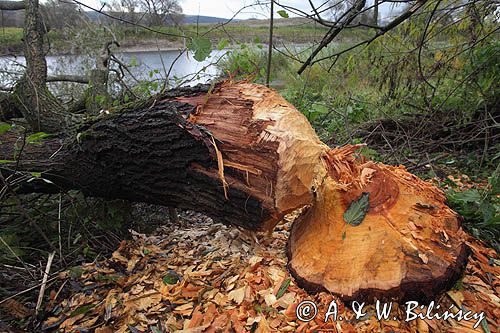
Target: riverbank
{"type": "Point", "coordinates": [13, 47]}
{"type": "Point", "coordinates": [150, 45]}
{"type": "Point", "coordinates": [74, 41]}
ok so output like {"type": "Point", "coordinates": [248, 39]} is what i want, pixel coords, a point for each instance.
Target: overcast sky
{"type": "Point", "coordinates": [227, 8]}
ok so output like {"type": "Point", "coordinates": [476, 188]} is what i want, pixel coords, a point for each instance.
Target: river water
{"type": "Point", "coordinates": [147, 65]}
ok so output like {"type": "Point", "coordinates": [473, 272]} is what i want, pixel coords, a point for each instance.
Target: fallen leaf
{"type": "Point", "coordinates": [283, 288]}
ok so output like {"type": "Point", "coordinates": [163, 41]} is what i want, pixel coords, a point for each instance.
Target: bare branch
{"type": "Point", "coordinates": [101, 11]}
{"type": "Point", "coordinates": [270, 51]}
{"type": "Point", "coordinates": [382, 30]}
{"type": "Point", "coordinates": [349, 17]}
{"type": "Point", "coordinates": [421, 46]}
{"type": "Point", "coordinates": [68, 78]}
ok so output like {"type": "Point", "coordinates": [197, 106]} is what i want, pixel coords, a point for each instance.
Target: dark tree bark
{"type": "Point", "coordinates": [8, 108]}
{"type": "Point", "coordinates": [173, 215]}
{"type": "Point", "coordinates": [147, 153]}
{"type": "Point", "coordinates": [375, 12]}
{"type": "Point", "coordinates": [39, 107]}
{"type": "Point", "coordinates": [97, 96]}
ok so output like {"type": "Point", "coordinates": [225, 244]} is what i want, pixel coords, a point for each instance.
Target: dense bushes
{"type": "Point", "coordinates": [453, 86]}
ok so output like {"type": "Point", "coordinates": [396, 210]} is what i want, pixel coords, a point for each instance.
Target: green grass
{"type": "Point", "coordinates": [295, 34]}
{"type": "Point", "coordinates": [10, 36]}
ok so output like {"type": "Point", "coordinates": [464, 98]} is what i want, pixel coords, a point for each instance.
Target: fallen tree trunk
{"type": "Point", "coordinates": [213, 151]}
{"type": "Point", "coordinates": [243, 155]}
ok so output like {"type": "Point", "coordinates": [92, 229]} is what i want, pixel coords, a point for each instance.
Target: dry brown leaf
{"type": "Point", "coordinates": [185, 309]}
{"type": "Point", "coordinates": [263, 326]}
{"type": "Point", "coordinates": [262, 269]}
{"type": "Point", "coordinates": [270, 298]}
{"type": "Point", "coordinates": [71, 321]}
{"type": "Point", "coordinates": [255, 260]}
{"type": "Point", "coordinates": [196, 319]}
{"type": "Point", "coordinates": [89, 322]}
{"type": "Point", "coordinates": [198, 329]}
{"type": "Point", "coordinates": [144, 302]}
{"type": "Point", "coordinates": [221, 321]}
{"type": "Point", "coordinates": [210, 313]}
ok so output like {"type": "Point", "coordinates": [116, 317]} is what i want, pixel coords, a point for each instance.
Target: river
{"type": "Point", "coordinates": [147, 65]}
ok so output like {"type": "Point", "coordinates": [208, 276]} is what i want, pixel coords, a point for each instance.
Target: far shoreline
{"type": "Point", "coordinates": [16, 51]}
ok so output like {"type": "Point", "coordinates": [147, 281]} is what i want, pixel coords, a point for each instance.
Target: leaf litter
{"type": "Point", "coordinates": [207, 277]}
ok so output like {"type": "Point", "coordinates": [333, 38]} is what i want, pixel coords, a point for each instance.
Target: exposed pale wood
{"type": "Point", "coordinates": [409, 246]}
{"type": "Point", "coordinates": [163, 152]}
{"type": "Point", "coordinates": [269, 148]}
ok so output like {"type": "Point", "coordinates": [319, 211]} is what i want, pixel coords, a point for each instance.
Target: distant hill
{"type": "Point", "coordinates": [188, 19]}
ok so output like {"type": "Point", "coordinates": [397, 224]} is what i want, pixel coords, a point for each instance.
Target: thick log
{"type": "Point", "coordinates": [243, 155]}
{"type": "Point", "coordinates": [218, 152]}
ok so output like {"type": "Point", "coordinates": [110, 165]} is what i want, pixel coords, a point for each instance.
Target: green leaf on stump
{"type": "Point", "coordinates": [357, 210]}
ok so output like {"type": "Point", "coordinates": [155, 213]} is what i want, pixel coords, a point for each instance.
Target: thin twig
{"type": "Point", "coordinates": [270, 51]}
{"type": "Point", "coordinates": [44, 282]}
{"type": "Point", "coordinates": [61, 258]}
{"type": "Point", "coordinates": [26, 290]}
{"type": "Point", "coordinates": [17, 257]}
{"type": "Point", "coordinates": [428, 161]}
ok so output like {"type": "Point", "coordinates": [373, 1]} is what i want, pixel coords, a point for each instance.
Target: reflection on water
{"type": "Point", "coordinates": [146, 65]}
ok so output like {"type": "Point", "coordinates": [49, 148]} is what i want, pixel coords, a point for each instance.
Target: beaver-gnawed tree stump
{"type": "Point", "coordinates": [376, 231]}
{"type": "Point", "coordinates": [242, 154]}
